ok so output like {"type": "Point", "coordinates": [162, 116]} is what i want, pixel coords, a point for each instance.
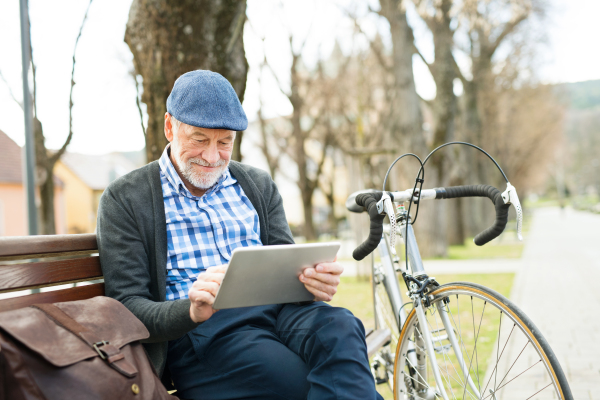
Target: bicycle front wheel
{"type": "Point", "coordinates": [485, 347]}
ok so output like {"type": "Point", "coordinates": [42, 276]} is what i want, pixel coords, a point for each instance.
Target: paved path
{"type": "Point", "coordinates": [558, 288]}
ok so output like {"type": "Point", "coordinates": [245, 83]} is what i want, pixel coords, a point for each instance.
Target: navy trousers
{"type": "Point", "coordinates": [274, 352]}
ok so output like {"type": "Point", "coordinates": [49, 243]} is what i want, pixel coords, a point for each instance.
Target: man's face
{"type": "Point", "coordinates": [201, 155]}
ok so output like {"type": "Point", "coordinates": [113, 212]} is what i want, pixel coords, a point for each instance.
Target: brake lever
{"type": "Point", "coordinates": [386, 206]}
{"type": "Point", "coordinates": [510, 197]}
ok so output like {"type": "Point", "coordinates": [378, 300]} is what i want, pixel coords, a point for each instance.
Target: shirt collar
{"type": "Point", "coordinates": [166, 166]}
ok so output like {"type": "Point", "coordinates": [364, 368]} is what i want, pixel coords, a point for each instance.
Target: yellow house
{"type": "Point", "coordinates": [84, 178]}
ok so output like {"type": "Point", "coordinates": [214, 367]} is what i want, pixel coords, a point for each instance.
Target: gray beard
{"type": "Point", "coordinates": [201, 180]}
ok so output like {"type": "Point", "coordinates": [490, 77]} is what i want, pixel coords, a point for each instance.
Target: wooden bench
{"type": "Point", "coordinates": [38, 262]}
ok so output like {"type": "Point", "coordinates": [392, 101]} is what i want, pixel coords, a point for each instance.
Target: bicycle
{"type": "Point", "coordinates": [432, 350]}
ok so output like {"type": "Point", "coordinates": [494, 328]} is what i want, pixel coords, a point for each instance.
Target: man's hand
{"type": "Point", "coordinates": [203, 291]}
{"type": "Point", "coordinates": [322, 280]}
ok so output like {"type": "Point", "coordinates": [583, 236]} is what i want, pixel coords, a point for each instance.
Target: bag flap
{"type": "Point", "coordinates": [108, 318]}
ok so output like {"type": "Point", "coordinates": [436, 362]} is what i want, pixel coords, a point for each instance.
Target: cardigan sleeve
{"type": "Point", "coordinates": [125, 259]}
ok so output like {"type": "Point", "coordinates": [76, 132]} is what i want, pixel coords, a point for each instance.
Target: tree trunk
{"type": "Point", "coordinates": [407, 127]}
{"type": "Point", "coordinates": [309, 226]}
{"type": "Point", "coordinates": [170, 38]}
{"type": "Point", "coordinates": [48, 224]}
{"type": "Point", "coordinates": [333, 221]}
{"type": "Point", "coordinates": [358, 222]}
{"type": "Point", "coordinates": [444, 113]}
{"type": "Point", "coordinates": [45, 182]}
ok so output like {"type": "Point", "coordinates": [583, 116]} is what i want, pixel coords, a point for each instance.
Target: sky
{"type": "Point", "coordinates": [105, 116]}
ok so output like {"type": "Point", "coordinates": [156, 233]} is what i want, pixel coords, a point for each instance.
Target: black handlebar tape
{"type": "Point", "coordinates": [369, 201]}
{"type": "Point", "coordinates": [481, 191]}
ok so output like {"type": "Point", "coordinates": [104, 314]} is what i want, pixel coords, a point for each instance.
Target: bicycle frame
{"type": "Point", "coordinates": [388, 277]}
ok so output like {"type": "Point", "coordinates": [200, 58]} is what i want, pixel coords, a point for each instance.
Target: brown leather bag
{"type": "Point", "coordinates": [86, 349]}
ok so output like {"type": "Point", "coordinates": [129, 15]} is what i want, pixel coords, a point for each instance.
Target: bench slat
{"type": "Point", "coordinates": [376, 340]}
{"type": "Point", "coordinates": [71, 294]}
{"type": "Point", "coordinates": [42, 244]}
{"type": "Point", "coordinates": [48, 273]}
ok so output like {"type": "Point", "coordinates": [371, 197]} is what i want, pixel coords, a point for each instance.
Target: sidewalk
{"type": "Point", "coordinates": [558, 289]}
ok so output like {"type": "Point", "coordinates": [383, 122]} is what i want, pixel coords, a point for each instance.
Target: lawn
{"type": "Point", "coordinates": [356, 295]}
{"type": "Point", "coordinates": [494, 249]}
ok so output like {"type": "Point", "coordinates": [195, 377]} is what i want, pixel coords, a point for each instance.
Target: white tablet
{"type": "Point", "coordinates": [269, 274]}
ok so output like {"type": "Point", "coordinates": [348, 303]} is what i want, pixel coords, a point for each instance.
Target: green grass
{"type": "Point", "coordinates": [355, 294]}
{"type": "Point", "coordinates": [495, 249]}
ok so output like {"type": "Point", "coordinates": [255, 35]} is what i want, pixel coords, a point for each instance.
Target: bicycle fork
{"type": "Point", "coordinates": [424, 338]}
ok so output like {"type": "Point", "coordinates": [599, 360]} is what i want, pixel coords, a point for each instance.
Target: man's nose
{"type": "Point", "coordinates": [211, 154]}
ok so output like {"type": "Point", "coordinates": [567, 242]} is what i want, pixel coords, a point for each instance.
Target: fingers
{"type": "Point", "coordinates": [330, 268]}
{"type": "Point", "coordinates": [213, 274]}
{"type": "Point", "coordinates": [218, 268]}
{"type": "Point", "coordinates": [327, 278]}
{"type": "Point", "coordinates": [206, 286]}
{"type": "Point", "coordinates": [210, 277]}
{"type": "Point", "coordinates": [199, 298]}
{"type": "Point", "coordinates": [201, 303]}
{"type": "Point", "coordinates": [203, 292]}
{"type": "Point", "coordinates": [321, 291]}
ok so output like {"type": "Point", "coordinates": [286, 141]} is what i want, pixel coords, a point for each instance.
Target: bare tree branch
{"type": "Point", "coordinates": [137, 101]}
{"type": "Point", "coordinates": [56, 156]}
{"type": "Point", "coordinates": [279, 85]}
{"type": "Point", "coordinates": [10, 92]}
{"type": "Point", "coordinates": [376, 49]}
{"type": "Point", "coordinates": [431, 66]}
{"type": "Point", "coordinates": [33, 70]}
{"type": "Point", "coordinates": [313, 183]}
{"type": "Point", "coordinates": [507, 30]}
{"type": "Point", "coordinates": [458, 72]}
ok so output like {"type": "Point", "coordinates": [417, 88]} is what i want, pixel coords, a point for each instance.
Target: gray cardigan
{"type": "Point", "coordinates": [132, 241]}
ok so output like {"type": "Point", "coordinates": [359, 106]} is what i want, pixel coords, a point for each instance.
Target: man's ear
{"type": "Point", "coordinates": [168, 127]}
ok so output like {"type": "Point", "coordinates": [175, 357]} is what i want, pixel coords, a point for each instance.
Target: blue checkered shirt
{"type": "Point", "coordinates": [202, 232]}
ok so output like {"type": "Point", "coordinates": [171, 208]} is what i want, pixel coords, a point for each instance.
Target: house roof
{"type": "Point", "coordinates": [98, 171]}
{"type": "Point", "coordinates": [11, 168]}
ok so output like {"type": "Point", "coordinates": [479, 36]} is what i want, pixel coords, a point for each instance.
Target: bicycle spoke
{"type": "Point", "coordinates": [417, 371]}
{"type": "Point", "coordinates": [538, 391]}
{"type": "Point", "coordinates": [498, 349]}
{"type": "Point", "coordinates": [446, 358]}
{"type": "Point", "coordinates": [475, 344]}
{"type": "Point", "coordinates": [496, 366]}
{"type": "Point", "coordinates": [514, 362]}
{"type": "Point", "coordinates": [462, 351]}
{"type": "Point", "coordinates": [462, 343]}
{"type": "Point", "coordinates": [476, 338]}
{"type": "Point", "coordinates": [497, 390]}
{"type": "Point", "coordinates": [420, 334]}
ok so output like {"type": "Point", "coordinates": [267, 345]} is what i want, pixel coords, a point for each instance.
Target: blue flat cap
{"type": "Point", "coordinates": [207, 100]}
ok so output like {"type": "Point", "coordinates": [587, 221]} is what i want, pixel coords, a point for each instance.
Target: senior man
{"type": "Point", "coordinates": [166, 233]}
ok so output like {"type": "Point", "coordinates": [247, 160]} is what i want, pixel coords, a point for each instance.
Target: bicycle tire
{"type": "Point", "coordinates": [543, 379]}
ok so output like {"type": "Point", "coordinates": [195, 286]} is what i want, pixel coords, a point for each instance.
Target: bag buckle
{"type": "Point", "coordinates": [97, 346]}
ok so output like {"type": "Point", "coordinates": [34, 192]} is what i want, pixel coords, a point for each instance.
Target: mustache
{"type": "Point", "coordinates": [204, 163]}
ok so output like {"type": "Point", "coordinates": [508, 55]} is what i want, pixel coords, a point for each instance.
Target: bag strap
{"type": "Point", "coordinates": [111, 354]}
